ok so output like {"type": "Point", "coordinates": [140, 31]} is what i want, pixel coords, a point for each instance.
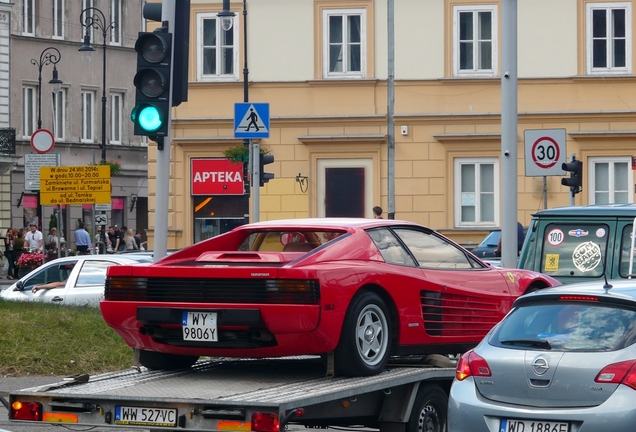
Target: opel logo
{"type": "Point", "coordinates": [540, 366]}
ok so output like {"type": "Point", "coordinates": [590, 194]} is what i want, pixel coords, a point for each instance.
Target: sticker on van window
{"type": "Point", "coordinates": [555, 237]}
{"type": "Point", "coordinates": [600, 232]}
{"type": "Point", "coordinates": [551, 262]}
{"type": "Point", "coordinates": [578, 233]}
{"type": "Point", "coordinates": [586, 256]}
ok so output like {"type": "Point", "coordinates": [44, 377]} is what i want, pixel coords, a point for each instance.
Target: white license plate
{"type": "Point", "coordinates": [164, 417]}
{"type": "Point", "coordinates": [199, 326]}
{"type": "Point", "coordinates": [508, 425]}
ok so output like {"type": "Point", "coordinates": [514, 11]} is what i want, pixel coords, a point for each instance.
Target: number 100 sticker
{"type": "Point", "coordinates": [555, 237]}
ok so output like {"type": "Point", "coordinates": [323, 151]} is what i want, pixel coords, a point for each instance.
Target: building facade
{"type": "Point", "coordinates": [88, 110]}
{"type": "Point", "coordinates": [322, 65]}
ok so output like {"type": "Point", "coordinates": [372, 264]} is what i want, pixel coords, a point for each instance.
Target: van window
{"type": "Point", "coordinates": [626, 244]}
{"type": "Point", "coordinates": [574, 249]}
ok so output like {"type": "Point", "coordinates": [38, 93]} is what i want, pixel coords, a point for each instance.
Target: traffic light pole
{"type": "Point", "coordinates": [163, 158]}
{"type": "Point", "coordinates": [256, 181]}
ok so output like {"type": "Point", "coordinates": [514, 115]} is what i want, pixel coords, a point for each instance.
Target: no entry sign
{"type": "Point", "coordinates": [42, 141]}
{"type": "Point", "coordinates": [544, 152]}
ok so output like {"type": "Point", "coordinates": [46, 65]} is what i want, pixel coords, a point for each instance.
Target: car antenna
{"type": "Point", "coordinates": [607, 285]}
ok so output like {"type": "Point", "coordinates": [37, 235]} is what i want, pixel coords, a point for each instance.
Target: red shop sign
{"type": "Point", "coordinates": [216, 177]}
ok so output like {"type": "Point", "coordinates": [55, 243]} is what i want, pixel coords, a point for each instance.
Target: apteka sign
{"type": "Point", "coordinates": [216, 177]}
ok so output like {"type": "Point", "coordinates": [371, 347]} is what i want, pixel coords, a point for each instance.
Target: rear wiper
{"type": "Point", "coordinates": [531, 343]}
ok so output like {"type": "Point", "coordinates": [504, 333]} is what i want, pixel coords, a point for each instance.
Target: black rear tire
{"type": "Point", "coordinates": [430, 410]}
{"type": "Point", "coordinates": [162, 361]}
{"type": "Point", "coordinates": [365, 342]}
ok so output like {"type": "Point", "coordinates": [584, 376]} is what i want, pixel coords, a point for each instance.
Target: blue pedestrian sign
{"type": "Point", "coordinates": [251, 120]}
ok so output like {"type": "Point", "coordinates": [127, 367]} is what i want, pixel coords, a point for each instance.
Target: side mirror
{"type": "Point", "coordinates": [19, 286]}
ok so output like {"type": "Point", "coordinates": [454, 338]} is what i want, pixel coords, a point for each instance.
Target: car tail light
{"type": "Point", "coordinates": [578, 298]}
{"type": "Point", "coordinates": [26, 411]}
{"type": "Point", "coordinates": [471, 364]}
{"type": "Point", "coordinates": [265, 422]}
{"type": "Point", "coordinates": [618, 373]}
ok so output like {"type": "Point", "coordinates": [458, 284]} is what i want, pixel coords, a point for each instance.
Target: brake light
{"type": "Point", "coordinates": [471, 364]}
{"type": "Point", "coordinates": [578, 298]}
{"type": "Point", "coordinates": [618, 373]}
{"type": "Point", "coordinates": [26, 411]}
{"type": "Point", "coordinates": [265, 422]}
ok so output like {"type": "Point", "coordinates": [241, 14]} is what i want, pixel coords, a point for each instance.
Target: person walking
{"type": "Point", "coordinates": [82, 239]}
{"type": "Point", "coordinates": [122, 243]}
{"type": "Point", "coordinates": [18, 249]}
{"type": "Point", "coordinates": [100, 240]}
{"type": "Point", "coordinates": [129, 240]}
{"type": "Point", "coordinates": [377, 212]}
{"type": "Point", "coordinates": [141, 245]}
{"type": "Point", "coordinates": [113, 239]}
{"type": "Point", "coordinates": [9, 245]}
{"type": "Point", "coordinates": [34, 239]}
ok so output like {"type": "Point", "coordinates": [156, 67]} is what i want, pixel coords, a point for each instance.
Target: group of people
{"type": "Point", "coordinates": [117, 240]}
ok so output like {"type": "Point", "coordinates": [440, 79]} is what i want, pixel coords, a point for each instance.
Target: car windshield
{"type": "Point", "coordinates": [491, 239]}
{"type": "Point", "coordinates": [567, 326]}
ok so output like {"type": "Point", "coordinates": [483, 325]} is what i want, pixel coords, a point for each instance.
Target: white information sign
{"type": "Point", "coordinates": [545, 152]}
{"type": "Point", "coordinates": [32, 165]}
{"type": "Point", "coordinates": [103, 207]}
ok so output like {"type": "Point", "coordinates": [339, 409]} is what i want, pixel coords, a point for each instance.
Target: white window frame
{"type": "Point", "coordinates": [366, 163]}
{"type": "Point", "coordinates": [91, 31]}
{"type": "Point", "coordinates": [610, 70]}
{"type": "Point", "coordinates": [475, 72]}
{"type": "Point", "coordinates": [58, 114]}
{"type": "Point", "coordinates": [115, 17]}
{"type": "Point", "coordinates": [200, 48]}
{"type": "Point", "coordinates": [29, 109]}
{"type": "Point", "coordinates": [611, 161]}
{"type": "Point", "coordinates": [116, 109]}
{"type": "Point", "coordinates": [88, 116]}
{"type": "Point", "coordinates": [459, 197]}
{"type": "Point", "coordinates": [58, 19]}
{"type": "Point", "coordinates": [28, 17]}
{"type": "Point", "coordinates": [326, 14]}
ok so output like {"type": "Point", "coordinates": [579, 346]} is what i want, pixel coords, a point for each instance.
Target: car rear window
{"type": "Point", "coordinates": [567, 326]}
{"type": "Point", "coordinates": [574, 249]}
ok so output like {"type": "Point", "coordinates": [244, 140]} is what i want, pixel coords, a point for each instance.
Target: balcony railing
{"type": "Point", "coordinates": [7, 141]}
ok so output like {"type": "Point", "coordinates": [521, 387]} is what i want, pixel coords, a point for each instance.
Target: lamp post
{"type": "Point", "coordinates": [94, 18]}
{"type": "Point", "coordinates": [52, 56]}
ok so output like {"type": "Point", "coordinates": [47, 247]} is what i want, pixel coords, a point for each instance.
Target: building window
{"type": "Point", "coordinates": [59, 114]}
{"type": "Point", "coordinates": [475, 40]}
{"type": "Point", "coordinates": [217, 58]}
{"type": "Point", "coordinates": [345, 187]}
{"type": "Point", "coordinates": [344, 50]}
{"type": "Point", "coordinates": [28, 17]}
{"type": "Point", "coordinates": [116, 100]}
{"type": "Point", "coordinates": [58, 19]}
{"type": "Point", "coordinates": [91, 31]}
{"type": "Point", "coordinates": [476, 192]}
{"type": "Point", "coordinates": [610, 181]}
{"type": "Point", "coordinates": [29, 108]}
{"type": "Point", "coordinates": [609, 48]}
{"type": "Point", "coordinates": [115, 18]}
{"type": "Point", "coordinates": [88, 116]}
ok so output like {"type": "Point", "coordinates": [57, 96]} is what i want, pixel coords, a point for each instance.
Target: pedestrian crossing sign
{"type": "Point", "coordinates": [251, 120]}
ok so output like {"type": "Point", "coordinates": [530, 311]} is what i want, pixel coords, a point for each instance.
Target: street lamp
{"type": "Point", "coordinates": [94, 18]}
{"type": "Point", "coordinates": [52, 56]}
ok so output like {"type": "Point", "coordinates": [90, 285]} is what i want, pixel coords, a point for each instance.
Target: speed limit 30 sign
{"type": "Point", "coordinates": [544, 152]}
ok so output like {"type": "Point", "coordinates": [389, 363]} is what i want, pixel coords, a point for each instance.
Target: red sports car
{"type": "Point", "coordinates": [362, 289]}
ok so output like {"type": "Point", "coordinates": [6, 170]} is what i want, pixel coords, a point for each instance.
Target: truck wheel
{"type": "Point", "coordinates": [365, 341]}
{"type": "Point", "coordinates": [162, 361]}
{"type": "Point", "coordinates": [429, 410]}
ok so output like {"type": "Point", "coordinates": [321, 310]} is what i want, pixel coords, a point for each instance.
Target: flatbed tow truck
{"type": "Point", "coordinates": [260, 395]}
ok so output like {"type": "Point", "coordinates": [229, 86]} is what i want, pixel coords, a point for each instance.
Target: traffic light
{"type": "Point", "coordinates": [263, 160]}
{"type": "Point", "coordinates": [575, 181]}
{"type": "Point", "coordinates": [151, 113]}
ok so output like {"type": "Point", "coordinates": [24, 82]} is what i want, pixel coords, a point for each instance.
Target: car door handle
{"type": "Point", "coordinates": [57, 299]}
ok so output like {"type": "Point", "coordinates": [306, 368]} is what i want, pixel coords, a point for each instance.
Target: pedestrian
{"type": "Point", "coordinates": [18, 249]}
{"type": "Point", "coordinates": [521, 235]}
{"type": "Point", "coordinates": [141, 245]}
{"type": "Point", "coordinates": [377, 212]}
{"type": "Point", "coordinates": [129, 240]}
{"type": "Point", "coordinates": [34, 239]}
{"type": "Point", "coordinates": [113, 240]}
{"type": "Point", "coordinates": [82, 239]}
{"type": "Point", "coordinates": [122, 242]}
{"type": "Point", "coordinates": [9, 246]}
{"type": "Point", "coordinates": [101, 240]}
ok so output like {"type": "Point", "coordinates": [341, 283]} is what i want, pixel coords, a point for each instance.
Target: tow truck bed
{"type": "Point", "coordinates": [224, 394]}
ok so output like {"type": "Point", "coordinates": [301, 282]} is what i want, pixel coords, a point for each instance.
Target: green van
{"type": "Point", "coordinates": [575, 244]}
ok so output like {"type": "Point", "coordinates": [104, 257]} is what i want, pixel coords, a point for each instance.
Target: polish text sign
{"type": "Point", "coordinates": [216, 177]}
{"type": "Point", "coordinates": [75, 185]}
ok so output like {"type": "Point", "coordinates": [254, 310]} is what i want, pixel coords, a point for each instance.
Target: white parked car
{"type": "Point", "coordinates": [84, 278]}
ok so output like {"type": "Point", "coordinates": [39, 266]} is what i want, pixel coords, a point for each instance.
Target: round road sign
{"type": "Point", "coordinates": [42, 141]}
{"type": "Point", "coordinates": [545, 152]}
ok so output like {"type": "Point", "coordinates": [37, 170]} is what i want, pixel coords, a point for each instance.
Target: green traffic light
{"type": "Point", "coordinates": [148, 118]}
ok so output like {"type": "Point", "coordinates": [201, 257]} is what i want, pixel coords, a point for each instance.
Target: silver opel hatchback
{"type": "Point", "coordinates": [562, 360]}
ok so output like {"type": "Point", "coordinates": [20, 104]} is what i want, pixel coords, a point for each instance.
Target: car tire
{"type": "Point", "coordinates": [429, 410]}
{"type": "Point", "coordinates": [365, 342]}
{"type": "Point", "coordinates": [162, 361]}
